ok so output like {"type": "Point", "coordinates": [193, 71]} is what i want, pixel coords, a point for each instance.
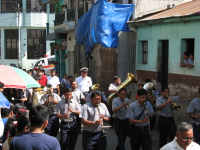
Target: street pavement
{"type": "Point", "coordinates": [112, 141]}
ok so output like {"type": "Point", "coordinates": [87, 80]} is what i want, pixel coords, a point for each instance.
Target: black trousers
{"type": "Point", "coordinates": [196, 130]}
{"type": "Point", "coordinates": [68, 137]}
{"type": "Point", "coordinates": [94, 141]}
{"type": "Point", "coordinates": [68, 140]}
{"type": "Point", "coordinates": [53, 125]}
{"type": "Point", "coordinates": [141, 138]}
{"type": "Point", "coordinates": [167, 129]}
{"type": "Point", "coordinates": [122, 129]}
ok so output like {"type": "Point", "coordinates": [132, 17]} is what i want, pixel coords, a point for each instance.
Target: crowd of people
{"type": "Point", "coordinates": [70, 107]}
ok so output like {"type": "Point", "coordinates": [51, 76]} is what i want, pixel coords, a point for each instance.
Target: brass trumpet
{"type": "Point", "coordinates": [130, 78]}
{"type": "Point", "coordinates": [175, 106]}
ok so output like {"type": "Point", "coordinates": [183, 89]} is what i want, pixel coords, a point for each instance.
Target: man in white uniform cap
{"type": "Point", "coordinates": [84, 82]}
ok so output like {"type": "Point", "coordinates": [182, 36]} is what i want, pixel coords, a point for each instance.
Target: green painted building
{"type": "Point", "coordinates": [163, 39]}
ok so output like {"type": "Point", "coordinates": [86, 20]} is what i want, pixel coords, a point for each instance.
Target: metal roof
{"type": "Point", "coordinates": [184, 9]}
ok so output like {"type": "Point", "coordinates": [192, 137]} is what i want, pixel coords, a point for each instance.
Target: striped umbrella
{"type": "Point", "coordinates": [13, 77]}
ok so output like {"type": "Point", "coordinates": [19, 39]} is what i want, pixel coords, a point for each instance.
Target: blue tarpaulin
{"type": "Point", "coordinates": [4, 103]}
{"type": "Point", "coordinates": [102, 23]}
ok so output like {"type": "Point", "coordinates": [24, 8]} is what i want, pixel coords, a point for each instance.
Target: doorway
{"type": "Point", "coordinates": [163, 59]}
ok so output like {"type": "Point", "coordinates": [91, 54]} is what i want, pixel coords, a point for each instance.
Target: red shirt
{"type": "Point", "coordinates": [43, 80]}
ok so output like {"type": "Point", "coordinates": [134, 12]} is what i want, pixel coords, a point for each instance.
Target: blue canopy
{"type": "Point", "coordinates": [4, 103]}
{"type": "Point", "coordinates": [102, 23]}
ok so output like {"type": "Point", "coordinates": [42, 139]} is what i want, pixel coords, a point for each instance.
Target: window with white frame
{"type": "Point", "coordinates": [143, 52]}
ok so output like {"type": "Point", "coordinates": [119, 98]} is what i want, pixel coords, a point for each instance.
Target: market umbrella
{"type": "Point", "coordinates": [13, 77]}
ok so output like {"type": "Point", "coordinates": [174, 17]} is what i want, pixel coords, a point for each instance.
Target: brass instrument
{"type": "Point", "coordinates": [130, 78]}
{"type": "Point", "coordinates": [37, 94]}
{"type": "Point", "coordinates": [176, 107]}
{"type": "Point", "coordinates": [95, 87]}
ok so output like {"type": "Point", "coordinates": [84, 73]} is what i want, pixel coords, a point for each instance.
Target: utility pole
{"type": "Point", "coordinates": [19, 34]}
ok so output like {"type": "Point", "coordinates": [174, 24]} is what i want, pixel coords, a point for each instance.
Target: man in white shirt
{"type": "Point", "coordinates": [93, 115]}
{"type": "Point", "coordinates": [84, 82]}
{"type": "Point", "coordinates": [113, 87]}
{"type": "Point", "coordinates": [183, 140]}
{"type": "Point", "coordinates": [68, 111]}
{"type": "Point", "coordinates": [77, 94]}
{"type": "Point", "coordinates": [54, 81]}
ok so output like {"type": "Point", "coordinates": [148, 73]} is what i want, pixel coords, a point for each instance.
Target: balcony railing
{"type": "Point", "coordinates": [69, 15]}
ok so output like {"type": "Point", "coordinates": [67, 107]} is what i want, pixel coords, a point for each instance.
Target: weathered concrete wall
{"type": "Point", "coordinates": [126, 54]}
{"type": "Point", "coordinates": [184, 85]}
{"type": "Point", "coordinates": [103, 65]}
{"type": "Point", "coordinates": [70, 46]}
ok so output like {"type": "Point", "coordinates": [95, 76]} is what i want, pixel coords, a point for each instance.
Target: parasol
{"type": "Point", "coordinates": [13, 77]}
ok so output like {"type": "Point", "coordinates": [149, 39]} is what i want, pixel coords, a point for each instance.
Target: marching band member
{"type": "Point", "coordinates": [96, 88]}
{"type": "Point", "coordinates": [51, 99]}
{"type": "Point", "coordinates": [166, 123]}
{"type": "Point", "coordinates": [68, 111]}
{"type": "Point", "coordinates": [113, 86]}
{"type": "Point", "coordinates": [194, 113]}
{"type": "Point", "coordinates": [77, 94]}
{"type": "Point", "coordinates": [120, 109]}
{"type": "Point", "coordinates": [139, 115]}
{"type": "Point", "coordinates": [84, 82]}
{"type": "Point", "coordinates": [93, 114]}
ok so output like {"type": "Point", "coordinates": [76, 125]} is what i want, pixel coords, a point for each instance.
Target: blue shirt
{"type": "Point", "coordinates": [138, 112]}
{"type": "Point", "coordinates": [167, 110]}
{"type": "Point", "coordinates": [65, 83]}
{"type": "Point", "coordinates": [34, 141]}
{"type": "Point", "coordinates": [122, 113]}
{"type": "Point", "coordinates": [5, 121]}
{"type": "Point", "coordinates": [194, 107]}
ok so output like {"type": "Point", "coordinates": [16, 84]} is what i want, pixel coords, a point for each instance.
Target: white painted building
{"type": "Point", "coordinates": [23, 30]}
{"type": "Point", "coordinates": [145, 7]}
